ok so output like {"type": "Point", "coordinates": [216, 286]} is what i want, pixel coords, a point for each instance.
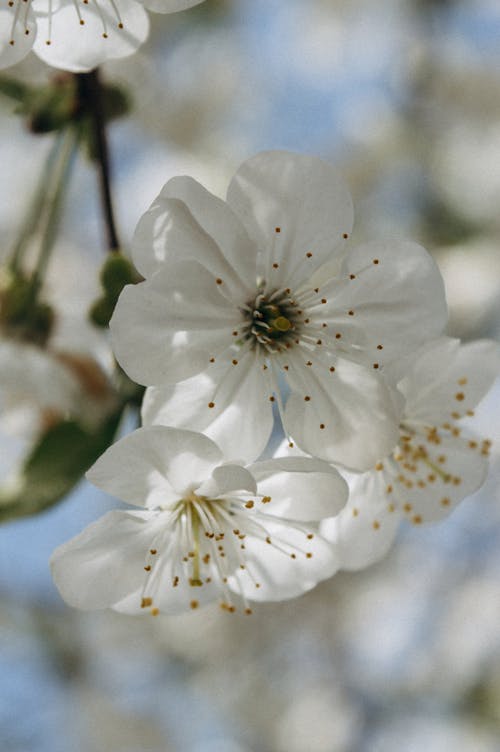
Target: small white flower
{"type": "Point", "coordinates": [434, 465]}
{"type": "Point", "coordinates": [238, 300]}
{"type": "Point", "coordinates": [41, 387]}
{"type": "Point", "coordinates": [35, 389]}
{"type": "Point", "coordinates": [209, 530]}
{"type": "Point", "coordinates": [77, 35]}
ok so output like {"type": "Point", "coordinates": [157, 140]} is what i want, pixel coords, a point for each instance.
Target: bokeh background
{"type": "Point", "coordinates": [404, 97]}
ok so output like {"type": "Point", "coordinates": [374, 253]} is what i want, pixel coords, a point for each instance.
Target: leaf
{"type": "Point", "coordinates": [57, 463]}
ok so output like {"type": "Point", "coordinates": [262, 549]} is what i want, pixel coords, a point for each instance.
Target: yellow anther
{"type": "Point", "coordinates": [281, 324]}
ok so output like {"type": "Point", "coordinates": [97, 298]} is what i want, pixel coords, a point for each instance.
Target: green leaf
{"type": "Point", "coordinates": [57, 463]}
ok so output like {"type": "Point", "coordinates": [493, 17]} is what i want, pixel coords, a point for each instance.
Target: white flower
{"type": "Point", "coordinates": [41, 387]}
{"type": "Point", "coordinates": [434, 465]}
{"type": "Point", "coordinates": [237, 300]}
{"type": "Point", "coordinates": [77, 35]}
{"type": "Point", "coordinates": [208, 531]}
{"type": "Point", "coordinates": [35, 389]}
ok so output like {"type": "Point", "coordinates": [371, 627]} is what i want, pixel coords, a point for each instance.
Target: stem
{"type": "Point", "coordinates": [90, 88]}
{"type": "Point", "coordinates": [37, 205]}
{"type": "Point", "coordinates": [53, 199]}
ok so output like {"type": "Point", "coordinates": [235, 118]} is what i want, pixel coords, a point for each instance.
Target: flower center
{"type": "Point", "coordinates": [272, 320]}
{"type": "Point", "coordinates": [203, 545]}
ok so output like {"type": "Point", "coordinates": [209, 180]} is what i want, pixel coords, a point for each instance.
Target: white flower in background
{"type": "Point", "coordinates": [41, 387]}
{"type": "Point", "coordinates": [77, 35]}
{"type": "Point", "coordinates": [238, 301]}
{"type": "Point", "coordinates": [435, 465]}
{"type": "Point", "coordinates": [35, 389]}
{"type": "Point", "coordinates": [208, 530]}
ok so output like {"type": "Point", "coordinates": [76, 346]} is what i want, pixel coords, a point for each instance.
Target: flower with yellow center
{"type": "Point", "coordinates": [208, 531]}
{"type": "Point", "coordinates": [435, 463]}
{"type": "Point", "coordinates": [257, 301]}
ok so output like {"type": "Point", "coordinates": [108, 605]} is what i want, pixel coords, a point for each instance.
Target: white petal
{"type": "Point", "coordinates": [300, 488]}
{"type": "Point", "coordinates": [80, 47]}
{"type": "Point", "coordinates": [155, 466]}
{"type": "Point", "coordinates": [277, 574]}
{"type": "Point", "coordinates": [445, 378]}
{"type": "Point", "coordinates": [364, 530]}
{"type": "Point", "coordinates": [291, 205]}
{"type": "Point", "coordinates": [17, 32]}
{"type": "Point", "coordinates": [105, 562]}
{"type": "Point", "coordinates": [453, 470]}
{"type": "Point", "coordinates": [169, 6]}
{"type": "Point", "coordinates": [187, 219]}
{"type": "Point", "coordinates": [398, 302]}
{"type": "Point", "coordinates": [241, 419]}
{"type": "Point", "coordinates": [167, 328]}
{"type": "Point", "coordinates": [349, 416]}
{"type": "Point", "coordinates": [225, 479]}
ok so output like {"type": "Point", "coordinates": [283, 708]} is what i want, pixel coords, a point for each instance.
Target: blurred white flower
{"type": "Point", "coordinates": [434, 466]}
{"type": "Point", "coordinates": [35, 389]}
{"type": "Point", "coordinates": [41, 387]}
{"type": "Point", "coordinates": [237, 298]}
{"type": "Point", "coordinates": [209, 530]}
{"type": "Point", "coordinates": [77, 36]}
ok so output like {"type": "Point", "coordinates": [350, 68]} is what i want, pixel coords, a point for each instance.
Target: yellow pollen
{"type": "Point", "coordinates": [460, 396]}
{"type": "Point", "coordinates": [379, 466]}
{"type": "Point", "coordinates": [249, 504]}
{"type": "Point", "coordinates": [417, 519]}
{"type": "Point", "coordinates": [194, 604]}
{"type": "Point", "coordinates": [155, 611]}
{"type": "Point", "coordinates": [355, 512]}
{"type": "Point", "coordinates": [146, 602]}
{"type": "Point", "coordinates": [376, 525]}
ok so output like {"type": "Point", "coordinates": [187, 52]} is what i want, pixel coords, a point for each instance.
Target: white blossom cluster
{"type": "Point", "coordinates": [77, 35]}
{"type": "Point", "coordinates": [255, 308]}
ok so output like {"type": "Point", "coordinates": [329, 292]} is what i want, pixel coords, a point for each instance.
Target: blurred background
{"type": "Point", "coordinates": [404, 97]}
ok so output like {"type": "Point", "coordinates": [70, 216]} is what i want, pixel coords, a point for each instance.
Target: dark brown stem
{"type": "Point", "coordinates": [91, 103]}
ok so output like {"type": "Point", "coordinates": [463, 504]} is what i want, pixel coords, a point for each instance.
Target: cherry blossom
{"type": "Point", "coordinates": [435, 464]}
{"type": "Point", "coordinates": [258, 301]}
{"type": "Point", "coordinates": [77, 36]}
{"type": "Point", "coordinates": [207, 530]}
